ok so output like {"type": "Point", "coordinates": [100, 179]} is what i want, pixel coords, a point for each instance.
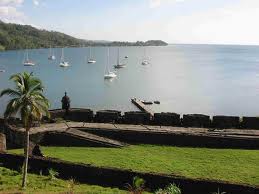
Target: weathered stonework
{"type": "Point", "coordinates": [167, 119]}
{"type": "Point", "coordinates": [107, 116]}
{"type": "Point", "coordinates": [133, 117]}
{"type": "Point", "coordinates": [2, 143]}
{"type": "Point", "coordinates": [196, 120]}
{"type": "Point", "coordinates": [226, 122]}
{"type": "Point", "coordinates": [250, 123]}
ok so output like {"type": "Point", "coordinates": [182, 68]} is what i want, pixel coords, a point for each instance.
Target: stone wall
{"type": "Point", "coordinates": [107, 116]}
{"type": "Point", "coordinates": [166, 119]}
{"type": "Point", "coordinates": [137, 117]}
{"type": "Point", "coordinates": [114, 177]}
{"type": "Point", "coordinates": [2, 142]}
{"type": "Point", "coordinates": [196, 120]}
{"type": "Point", "coordinates": [174, 139]}
{"type": "Point", "coordinates": [225, 122]}
{"type": "Point", "coordinates": [250, 122]}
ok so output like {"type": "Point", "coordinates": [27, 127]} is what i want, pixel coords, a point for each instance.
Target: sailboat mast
{"type": "Point", "coordinates": [118, 57]}
{"type": "Point", "coordinates": [50, 50]}
{"type": "Point", "coordinates": [108, 61]}
{"type": "Point", "coordinates": [27, 58]}
{"type": "Point", "coordinates": [62, 55]}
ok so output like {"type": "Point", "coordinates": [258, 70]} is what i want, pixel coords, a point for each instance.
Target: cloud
{"type": "Point", "coordinates": [158, 3]}
{"type": "Point", "coordinates": [9, 12]}
{"type": "Point", "coordinates": [36, 2]}
{"type": "Point", "coordinates": [11, 2]}
{"type": "Point", "coordinates": [232, 24]}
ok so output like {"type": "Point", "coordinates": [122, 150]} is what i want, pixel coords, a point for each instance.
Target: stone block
{"type": "Point", "coordinates": [167, 119]}
{"type": "Point", "coordinates": [107, 116]}
{"type": "Point", "coordinates": [137, 117]}
{"type": "Point", "coordinates": [250, 123]}
{"type": "Point", "coordinates": [2, 142]}
{"type": "Point", "coordinates": [80, 115]}
{"type": "Point", "coordinates": [226, 122]}
{"type": "Point", "coordinates": [196, 120]}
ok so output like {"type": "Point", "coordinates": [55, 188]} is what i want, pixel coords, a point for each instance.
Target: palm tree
{"type": "Point", "coordinates": [29, 103]}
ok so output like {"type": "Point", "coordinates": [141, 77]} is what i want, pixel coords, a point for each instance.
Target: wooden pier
{"type": "Point", "coordinates": [142, 106]}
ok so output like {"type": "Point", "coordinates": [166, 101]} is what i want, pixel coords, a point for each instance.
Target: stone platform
{"type": "Point", "coordinates": [114, 135]}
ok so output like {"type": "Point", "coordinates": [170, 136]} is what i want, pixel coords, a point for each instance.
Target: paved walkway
{"type": "Point", "coordinates": [63, 127]}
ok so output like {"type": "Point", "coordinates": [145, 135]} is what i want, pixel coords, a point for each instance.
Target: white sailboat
{"type": "Point", "coordinates": [91, 60]}
{"type": "Point", "coordinates": [145, 60]}
{"type": "Point", "coordinates": [119, 64]}
{"type": "Point", "coordinates": [27, 61]}
{"type": "Point", "coordinates": [63, 63]}
{"type": "Point", "coordinates": [51, 54]}
{"type": "Point", "coordinates": [108, 74]}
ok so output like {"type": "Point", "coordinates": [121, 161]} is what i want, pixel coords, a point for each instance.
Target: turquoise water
{"type": "Point", "coordinates": [206, 79]}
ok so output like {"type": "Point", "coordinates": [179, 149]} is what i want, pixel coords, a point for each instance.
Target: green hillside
{"type": "Point", "coordinates": [15, 36]}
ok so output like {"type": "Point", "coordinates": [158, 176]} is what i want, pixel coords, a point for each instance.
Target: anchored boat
{"type": "Point", "coordinates": [63, 63]}
{"type": "Point", "coordinates": [27, 61]}
{"type": "Point", "coordinates": [109, 74]}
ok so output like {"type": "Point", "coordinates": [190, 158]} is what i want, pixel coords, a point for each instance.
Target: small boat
{"type": "Point", "coordinates": [63, 63]}
{"type": "Point", "coordinates": [51, 55]}
{"type": "Point", "coordinates": [147, 102]}
{"type": "Point", "coordinates": [145, 60]}
{"type": "Point", "coordinates": [109, 74]}
{"type": "Point", "coordinates": [27, 61]}
{"type": "Point", "coordinates": [91, 60]}
{"type": "Point", "coordinates": [126, 57]}
{"type": "Point", "coordinates": [156, 102]}
{"type": "Point", "coordinates": [2, 70]}
{"type": "Point", "coordinates": [119, 64]}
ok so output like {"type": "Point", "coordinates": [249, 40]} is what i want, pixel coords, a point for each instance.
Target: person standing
{"type": "Point", "coordinates": [65, 103]}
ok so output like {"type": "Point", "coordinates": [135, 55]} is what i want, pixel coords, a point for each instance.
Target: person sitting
{"type": "Point", "coordinates": [36, 151]}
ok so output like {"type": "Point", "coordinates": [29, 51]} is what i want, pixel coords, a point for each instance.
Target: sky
{"type": "Point", "coordinates": [174, 21]}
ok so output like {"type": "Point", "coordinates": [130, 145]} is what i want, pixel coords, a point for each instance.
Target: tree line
{"type": "Point", "coordinates": [15, 36]}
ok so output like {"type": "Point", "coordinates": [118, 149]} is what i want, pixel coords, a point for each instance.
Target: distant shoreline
{"type": "Point", "coordinates": [17, 37]}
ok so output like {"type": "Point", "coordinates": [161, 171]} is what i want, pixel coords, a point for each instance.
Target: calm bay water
{"type": "Point", "coordinates": [206, 79]}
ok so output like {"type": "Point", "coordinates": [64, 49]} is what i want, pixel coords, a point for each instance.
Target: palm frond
{"type": "Point", "coordinates": [10, 92]}
{"type": "Point", "coordinates": [12, 107]}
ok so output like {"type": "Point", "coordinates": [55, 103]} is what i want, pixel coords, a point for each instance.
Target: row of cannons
{"type": "Point", "coordinates": [162, 119]}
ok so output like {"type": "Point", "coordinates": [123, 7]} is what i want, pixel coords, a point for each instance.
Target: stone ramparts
{"type": "Point", "coordinates": [163, 119]}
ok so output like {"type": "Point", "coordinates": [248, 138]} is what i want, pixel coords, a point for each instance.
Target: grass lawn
{"type": "Point", "coordinates": [10, 182]}
{"type": "Point", "coordinates": [239, 166]}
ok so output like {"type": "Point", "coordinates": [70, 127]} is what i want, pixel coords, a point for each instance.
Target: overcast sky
{"type": "Point", "coordinates": [175, 21]}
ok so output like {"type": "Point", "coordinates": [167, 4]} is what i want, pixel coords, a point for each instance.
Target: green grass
{"type": "Point", "coordinates": [10, 182]}
{"type": "Point", "coordinates": [238, 166]}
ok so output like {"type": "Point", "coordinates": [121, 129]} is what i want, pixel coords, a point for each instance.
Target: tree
{"type": "Point", "coordinates": [28, 101]}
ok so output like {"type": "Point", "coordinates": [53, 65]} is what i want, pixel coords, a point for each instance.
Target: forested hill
{"type": "Point", "coordinates": [15, 36]}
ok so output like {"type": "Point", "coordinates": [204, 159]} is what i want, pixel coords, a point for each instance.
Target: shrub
{"type": "Point", "coordinates": [170, 189]}
{"type": "Point", "coordinates": [53, 174]}
{"type": "Point", "coordinates": [218, 192]}
{"type": "Point", "coordinates": [137, 186]}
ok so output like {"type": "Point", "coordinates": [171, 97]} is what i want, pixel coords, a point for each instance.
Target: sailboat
{"type": "Point", "coordinates": [63, 63]}
{"type": "Point", "coordinates": [145, 60]}
{"type": "Point", "coordinates": [91, 60]}
{"type": "Point", "coordinates": [119, 64]}
{"type": "Point", "coordinates": [27, 61]}
{"type": "Point", "coordinates": [109, 74]}
{"type": "Point", "coordinates": [51, 54]}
